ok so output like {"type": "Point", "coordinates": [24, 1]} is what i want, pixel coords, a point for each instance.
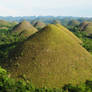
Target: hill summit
{"type": "Point", "coordinates": [51, 58]}
{"type": "Point", "coordinates": [24, 29]}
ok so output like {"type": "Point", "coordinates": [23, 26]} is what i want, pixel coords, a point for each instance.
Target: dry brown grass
{"type": "Point", "coordinates": [24, 29]}
{"type": "Point", "coordinates": [73, 23]}
{"type": "Point", "coordinates": [39, 25]}
{"type": "Point", "coordinates": [69, 33]}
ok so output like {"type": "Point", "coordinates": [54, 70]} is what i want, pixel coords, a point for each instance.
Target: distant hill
{"type": "Point", "coordinates": [56, 22]}
{"type": "Point", "coordinates": [4, 23]}
{"type": "Point", "coordinates": [86, 27]}
{"type": "Point", "coordinates": [39, 25]}
{"type": "Point", "coordinates": [73, 23]}
{"type": "Point", "coordinates": [24, 29]}
{"type": "Point", "coordinates": [83, 25]}
{"type": "Point", "coordinates": [33, 22]}
{"type": "Point", "coordinates": [51, 58]}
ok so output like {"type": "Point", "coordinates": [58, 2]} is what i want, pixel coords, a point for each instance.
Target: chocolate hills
{"type": "Point", "coordinates": [51, 58]}
{"type": "Point", "coordinates": [86, 27]}
{"type": "Point", "coordinates": [56, 22]}
{"type": "Point", "coordinates": [39, 25]}
{"type": "Point", "coordinates": [73, 23]}
{"type": "Point", "coordinates": [24, 29]}
{"type": "Point", "coordinates": [4, 23]}
{"type": "Point", "coordinates": [83, 25]}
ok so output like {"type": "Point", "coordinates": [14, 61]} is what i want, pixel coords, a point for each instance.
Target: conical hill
{"type": "Point", "coordinates": [86, 27]}
{"type": "Point", "coordinates": [73, 23]}
{"type": "Point", "coordinates": [51, 58]}
{"type": "Point", "coordinates": [24, 29]}
{"type": "Point", "coordinates": [39, 25]}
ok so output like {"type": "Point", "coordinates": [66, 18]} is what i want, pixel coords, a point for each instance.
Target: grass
{"type": "Point", "coordinates": [69, 33]}
{"type": "Point", "coordinates": [39, 25]}
{"type": "Point", "coordinates": [83, 25]}
{"type": "Point", "coordinates": [51, 58]}
{"type": "Point", "coordinates": [86, 27]}
{"type": "Point", "coordinates": [73, 23]}
{"type": "Point", "coordinates": [24, 29]}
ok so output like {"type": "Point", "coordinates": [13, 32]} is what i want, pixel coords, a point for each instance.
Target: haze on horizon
{"type": "Point", "coordinates": [46, 7]}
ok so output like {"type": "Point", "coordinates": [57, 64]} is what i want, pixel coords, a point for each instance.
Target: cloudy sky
{"type": "Point", "coordinates": [46, 7]}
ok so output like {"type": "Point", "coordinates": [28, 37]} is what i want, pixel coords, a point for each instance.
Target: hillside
{"type": "Point", "coordinates": [83, 25]}
{"type": "Point", "coordinates": [69, 33]}
{"type": "Point", "coordinates": [39, 25]}
{"type": "Point", "coordinates": [24, 29]}
{"type": "Point", "coordinates": [73, 23]}
{"type": "Point", "coordinates": [86, 27]}
{"type": "Point", "coordinates": [4, 23]}
{"type": "Point", "coordinates": [51, 58]}
{"type": "Point", "coordinates": [56, 22]}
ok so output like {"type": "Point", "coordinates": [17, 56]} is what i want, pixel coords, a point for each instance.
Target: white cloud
{"type": "Point", "coordinates": [43, 7]}
{"type": "Point", "coordinates": [4, 11]}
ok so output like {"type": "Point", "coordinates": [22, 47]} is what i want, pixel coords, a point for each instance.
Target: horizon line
{"type": "Point", "coordinates": [46, 16]}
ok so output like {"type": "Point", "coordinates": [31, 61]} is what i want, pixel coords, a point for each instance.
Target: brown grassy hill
{"type": "Point", "coordinates": [73, 23]}
{"type": "Point", "coordinates": [33, 22]}
{"type": "Point", "coordinates": [24, 29]}
{"type": "Point", "coordinates": [56, 22]}
{"type": "Point", "coordinates": [51, 58]}
{"type": "Point", "coordinates": [4, 23]}
{"type": "Point", "coordinates": [39, 25]}
{"type": "Point", "coordinates": [83, 25]}
{"type": "Point", "coordinates": [69, 33]}
{"type": "Point", "coordinates": [86, 27]}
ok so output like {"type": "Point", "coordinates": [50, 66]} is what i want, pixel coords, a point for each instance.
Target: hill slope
{"type": "Point", "coordinates": [73, 23]}
{"type": "Point", "coordinates": [4, 23]}
{"type": "Point", "coordinates": [83, 25]}
{"type": "Point", "coordinates": [51, 58]}
{"type": "Point", "coordinates": [39, 25]}
{"type": "Point", "coordinates": [69, 33]}
{"type": "Point", "coordinates": [87, 28]}
{"type": "Point", "coordinates": [56, 22]}
{"type": "Point", "coordinates": [24, 29]}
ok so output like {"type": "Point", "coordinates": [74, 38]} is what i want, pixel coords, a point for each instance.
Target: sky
{"type": "Point", "coordinates": [82, 8]}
